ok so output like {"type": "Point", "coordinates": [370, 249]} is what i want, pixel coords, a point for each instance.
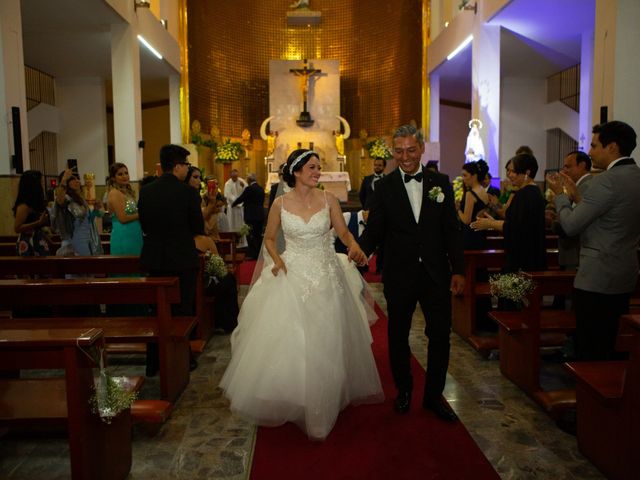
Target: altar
{"type": "Point", "coordinates": [338, 183]}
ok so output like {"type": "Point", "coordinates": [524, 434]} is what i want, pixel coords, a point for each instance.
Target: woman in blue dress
{"type": "Point", "coordinates": [126, 234]}
{"type": "Point", "coordinates": [75, 219]}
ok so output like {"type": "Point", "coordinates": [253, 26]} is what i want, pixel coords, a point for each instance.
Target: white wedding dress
{"type": "Point", "coordinates": [302, 349]}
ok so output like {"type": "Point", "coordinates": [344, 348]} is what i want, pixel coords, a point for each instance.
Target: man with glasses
{"type": "Point", "coordinates": [170, 217]}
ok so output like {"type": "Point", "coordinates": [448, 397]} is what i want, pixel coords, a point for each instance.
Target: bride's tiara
{"type": "Point", "coordinates": [301, 157]}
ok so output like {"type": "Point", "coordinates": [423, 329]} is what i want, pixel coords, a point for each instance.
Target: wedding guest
{"type": "Point", "coordinates": [369, 182]}
{"type": "Point", "coordinates": [31, 216]}
{"type": "Point", "coordinates": [474, 201]}
{"type": "Point", "coordinates": [524, 223]}
{"type": "Point", "coordinates": [75, 219]}
{"type": "Point", "coordinates": [252, 199]}
{"type": "Point", "coordinates": [126, 233]}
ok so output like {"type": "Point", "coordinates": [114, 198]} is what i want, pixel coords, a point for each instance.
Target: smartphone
{"type": "Point", "coordinates": [72, 164]}
{"type": "Point", "coordinates": [212, 187]}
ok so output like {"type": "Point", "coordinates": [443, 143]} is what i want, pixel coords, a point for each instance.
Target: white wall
{"type": "Point", "coordinates": [454, 128]}
{"type": "Point", "coordinates": [522, 113]}
{"type": "Point", "coordinates": [83, 116]}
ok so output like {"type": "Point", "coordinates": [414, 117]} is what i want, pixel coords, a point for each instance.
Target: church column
{"type": "Point", "coordinates": [12, 84]}
{"type": "Point", "coordinates": [434, 108]}
{"type": "Point", "coordinates": [127, 110]}
{"type": "Point", "coordinates": [175, 131]}
{"type": "Point", "coordinates": [586, 91]}
{"type": "Point", "coordinates": [616, 43]}
{"type": "Point", "coordinates": [485, 81]}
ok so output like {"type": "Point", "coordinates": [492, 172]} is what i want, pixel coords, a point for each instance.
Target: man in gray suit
{"type": "Point", "coordinates": [606, 219]}
{"type": "Point", "coordinates": [577, 165]}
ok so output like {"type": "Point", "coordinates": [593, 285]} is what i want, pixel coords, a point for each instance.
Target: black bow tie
{"type": "Point", "coordinates": [378, 175]}
{"type": "Point", "coordinates": [362, 223]}
{"type": "Point", "coordinates": [417, 177]}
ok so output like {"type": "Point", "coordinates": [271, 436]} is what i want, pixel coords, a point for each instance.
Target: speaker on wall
{"type": "Point", "coordinates": [604, 113]}
{"type": "Point", "coordinates": [17, 140]}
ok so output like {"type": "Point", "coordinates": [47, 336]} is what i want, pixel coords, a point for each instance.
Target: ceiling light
{"type": "Point", "coordinates": [141, 4]}
{"type": "Point", "coordinates": [460, 47]}
{"type": "Point", "coordinates": [148, 45]}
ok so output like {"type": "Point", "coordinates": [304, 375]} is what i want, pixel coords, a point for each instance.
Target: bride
{"type": "Point", "coordinates": [302, 349]}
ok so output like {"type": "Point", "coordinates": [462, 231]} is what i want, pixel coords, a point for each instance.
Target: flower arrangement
{"type": "Point", "coordinates": [110, 396]}
{"type": "Point", "coordinates": [512, 286]}
{"type": "Point", "coordinates": [244, 230]}
{"type": "Point", "coordinates": [436, 194]}
{"type": "Point", "coordinates": [378, 149]}
{"type": "Point", "coordinates": [458, 188]}
{"type": "Point", "coordinates": [197, 140]}
{"type": "Point", "coordinates": [214, 268]}
{"type": "Point", "coordinates": [229, 151]}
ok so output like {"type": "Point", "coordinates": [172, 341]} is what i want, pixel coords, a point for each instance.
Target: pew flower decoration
{"type": "Point", "coordinates": [214, 267]}
{"type": "Point", "coordinates": [458, 189]}
{"type": "Point", "coordinates": [378, 149]}
{"type": "Point", "coordinates": [244, 230]}
{"type": "Point", "coordinates": [111, 396]}
{"type": "Point", "coordinates": [436, 194]}
{"type": "Point", "coordinates": [512, 286]}
{"type": "Point", "coordinates": [229, 152]}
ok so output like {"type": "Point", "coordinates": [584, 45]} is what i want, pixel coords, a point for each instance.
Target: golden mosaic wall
{"type": "Point", "coordinates": [377, 43]}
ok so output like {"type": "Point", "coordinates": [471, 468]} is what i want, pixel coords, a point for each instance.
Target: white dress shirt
{"type": "Point", "coordinates": [414, 192]}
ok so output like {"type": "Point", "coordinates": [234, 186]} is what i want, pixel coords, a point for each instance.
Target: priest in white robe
{"type": "Point", "coordinates": [235, 215]}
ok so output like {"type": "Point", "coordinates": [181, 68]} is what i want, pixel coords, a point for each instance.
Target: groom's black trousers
{"type": "Point", "coordinates": [435, 301]}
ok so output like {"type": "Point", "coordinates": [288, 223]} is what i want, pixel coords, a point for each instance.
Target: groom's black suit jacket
{"type": "Point", "coordinates": [436, 238]}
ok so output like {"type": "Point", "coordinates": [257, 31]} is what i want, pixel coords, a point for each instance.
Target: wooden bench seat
{"type": "Point", "coordinates": [170, 333]}
{"type": "Point", "coordinates": [464, 307]}
{"type": "Point", "coordinates": [523, 333]}
{"type": "Point", "coordinates": [96, 450]}
{"type": "Point", "coordinates": [608, 406]}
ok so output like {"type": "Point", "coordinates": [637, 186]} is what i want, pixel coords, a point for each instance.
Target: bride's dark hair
{"type": "Point", "coordinates": [297, 159]}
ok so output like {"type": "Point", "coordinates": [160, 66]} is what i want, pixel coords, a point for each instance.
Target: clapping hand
{"type": "Point", "coordinates": [484, 221]}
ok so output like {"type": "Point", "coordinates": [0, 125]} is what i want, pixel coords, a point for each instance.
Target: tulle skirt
{"type": "Point", "coordinates": [302, 356]}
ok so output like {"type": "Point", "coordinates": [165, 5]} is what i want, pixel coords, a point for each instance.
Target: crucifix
{"type": "Point", "coordinates": [305, 75]}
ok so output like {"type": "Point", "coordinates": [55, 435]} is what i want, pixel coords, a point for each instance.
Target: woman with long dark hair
{"type": "Point", "coordinates": [126, 234]}
{"type": "Point", "coordinates": [31, 215]}
{"type": "Point", "coordinates": [474, 201]}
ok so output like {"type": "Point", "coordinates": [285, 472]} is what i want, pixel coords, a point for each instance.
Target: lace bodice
{"type": "Point", "coordinates": [309, 251]}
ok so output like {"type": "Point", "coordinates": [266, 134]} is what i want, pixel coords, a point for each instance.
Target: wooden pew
{"type": "Point", "coordinates": [497, 242]}
{"type": "Point", "coordinates": [8, 249]}
{"type": "Point", "coordinates": [464, 310]}
{"type": "Point", "coordinates": [96, 450]}
{"type": "Point", "coordinates": [522, 333]}
{"type": "Point", "coordinates": [57, 267]}
{"type": "Point", "coordinates": [608, 407]}
{"type": "Point", "coordinates": [171, 333]}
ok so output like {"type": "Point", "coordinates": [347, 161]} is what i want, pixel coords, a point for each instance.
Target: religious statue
{"type": "Point", "coordinates": [271, 143]}
{"type": "Point", "coordinates": [474, 149]}
{"type": "Point", "coordinates": [90, 188]}
{"type": "Point", "coordinates": [196, 130]}
{"type": "Point", "coordinates": [305, 74]}
{"type": "Point", "coordinates": [246, 138]}
{"type": "Point", "coordinates": [339, 142]}
{"type": "Point", "coordinates": [300, 4]}
{"type": "Point", "coordinates": [215, 134]}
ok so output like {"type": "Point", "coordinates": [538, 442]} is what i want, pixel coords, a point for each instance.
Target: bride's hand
{"type": "Point", "coordinates": [278, 265]}
{"type": "Point", "coordinates": [357, 255]}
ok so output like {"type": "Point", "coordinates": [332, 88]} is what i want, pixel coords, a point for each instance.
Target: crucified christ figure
{"type": "Point", "coordinates": [305, 74]}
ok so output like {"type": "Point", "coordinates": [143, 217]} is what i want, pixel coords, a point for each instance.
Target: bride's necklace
{"type": "Point", "coordinates": [304, 201]}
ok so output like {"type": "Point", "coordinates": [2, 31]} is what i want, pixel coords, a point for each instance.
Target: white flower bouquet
{"type": "Point", "coordinates": [511, 286]}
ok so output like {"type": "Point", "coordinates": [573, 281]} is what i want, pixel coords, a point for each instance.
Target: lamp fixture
{"type": "Point", "coordinates": [141, 4]}
{"type": "Point", "coordinates": [460, 47]}
{"type": "Point", "coordinates": [148, 45]}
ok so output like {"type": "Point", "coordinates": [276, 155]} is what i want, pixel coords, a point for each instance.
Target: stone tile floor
{"type": "Point", "coordinates": [202, 440]}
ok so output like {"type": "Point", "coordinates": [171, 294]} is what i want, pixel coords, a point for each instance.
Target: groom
{"type": "Point", "coordinates": [413, 217]}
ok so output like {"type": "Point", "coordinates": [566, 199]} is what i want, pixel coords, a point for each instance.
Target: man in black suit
{"type": "Point", "coordinates": [413, 216]}
{"type": "Point", "coordinates": [274, 188]}
{"type": "Point", "coordinates": [369, 182]}
{"type": "Point", "coordinates": [252, 199]}
{"type": "Point", "coordinates": [170, 217]}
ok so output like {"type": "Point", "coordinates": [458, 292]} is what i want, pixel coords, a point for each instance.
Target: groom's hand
{"type": "Point", "coordinates": [457, 284]}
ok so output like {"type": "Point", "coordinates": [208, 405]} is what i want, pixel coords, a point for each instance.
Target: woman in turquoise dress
{"type": "Point", "coordinates": [126, 234]}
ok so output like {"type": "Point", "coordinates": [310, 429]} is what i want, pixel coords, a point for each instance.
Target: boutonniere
{"type": "Point", "coordinates": [436, 195]}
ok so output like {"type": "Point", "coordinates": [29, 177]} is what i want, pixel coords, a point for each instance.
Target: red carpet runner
{"type": "Point", "coordinates": [371, 441]}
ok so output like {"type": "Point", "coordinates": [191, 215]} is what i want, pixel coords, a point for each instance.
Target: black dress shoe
{"type": "Point", "coordinates": [441, 408]}
{"type": "Point", "coordinates": [403, 402]}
